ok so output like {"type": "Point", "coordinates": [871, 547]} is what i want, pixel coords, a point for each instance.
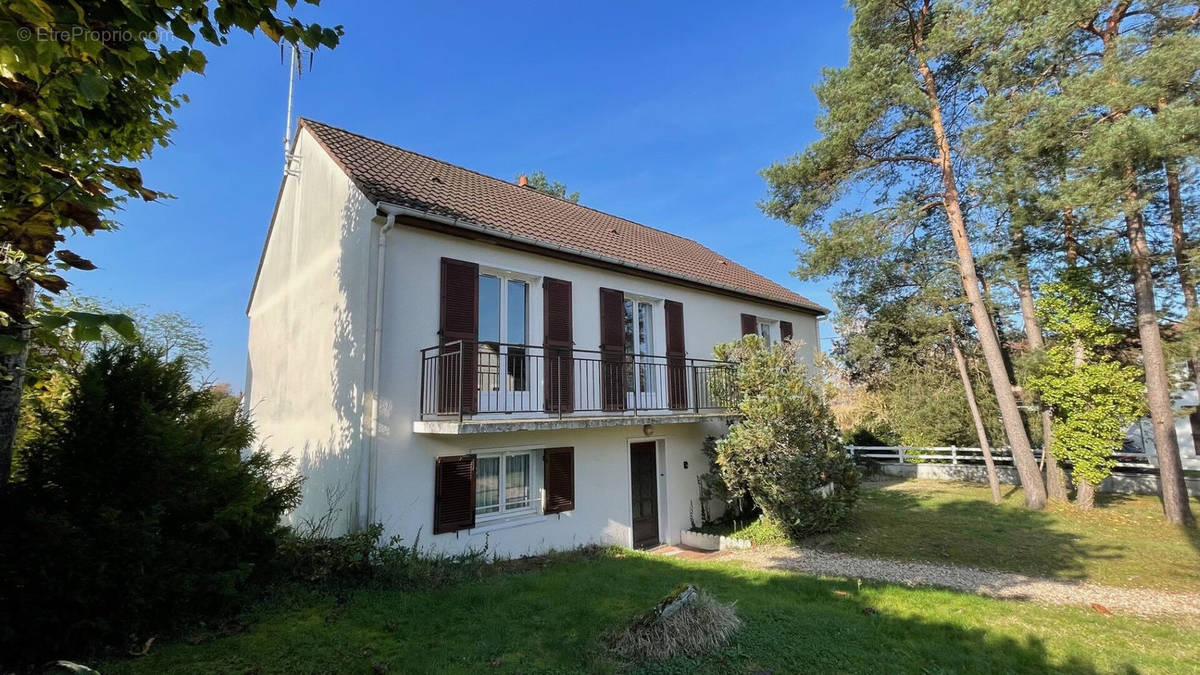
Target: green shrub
{"type": "Point", "coordinates": [759, 530]}
{"type": "Point", "coordinates": [138, 506]}
{"type": "Point", "coordinates": [1094, 397]}
{"type": "Point", "coordinates": [784, 450]}
{"type": "Point", "coordinates": [871, 435]}
{"type": "Point", "coordinates": [319, 559]}
{"type": "Point", "coordinates": [365, 558]}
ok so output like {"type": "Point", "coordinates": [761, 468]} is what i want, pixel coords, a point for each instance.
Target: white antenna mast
{"type": "Point", "coordinates": [293, 66]}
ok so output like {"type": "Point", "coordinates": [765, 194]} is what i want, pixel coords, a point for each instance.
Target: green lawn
{"type": "Point", "coordinates": [555, 619]}
{"type": "Point", "coordinates": [1123, 542]}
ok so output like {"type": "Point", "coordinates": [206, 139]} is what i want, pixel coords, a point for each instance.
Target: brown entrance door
{"type": "Point", "coordinates": [644, 481]}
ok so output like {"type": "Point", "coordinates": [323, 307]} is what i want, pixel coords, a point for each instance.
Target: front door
{"type": "Point", "coordinates": [644, 481]}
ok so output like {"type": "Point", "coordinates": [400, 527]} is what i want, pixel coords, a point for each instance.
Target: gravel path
{"type": "Point", "coordinates": [1141, 601]}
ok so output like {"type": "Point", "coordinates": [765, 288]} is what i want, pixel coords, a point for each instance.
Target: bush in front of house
{"type": "Point", "coordinates": [139, 505]}
{"type": "Point", "coordinates": [364, 558]}
{"type": "Point", "coordinates": [784, 451]}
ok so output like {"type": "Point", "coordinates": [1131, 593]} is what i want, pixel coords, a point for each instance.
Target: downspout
{"type": "Point", "coordinates": [371, 464]}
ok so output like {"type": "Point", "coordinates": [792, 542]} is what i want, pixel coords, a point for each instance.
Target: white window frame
{"type": "Point", "coordinates": [503, 399]}
{"type": "Point", "coordinates": [769, 325]}
{"type": "Point", "coordinates": [645, 377]}
{"type": "Point", "coordinates": [536, 489]}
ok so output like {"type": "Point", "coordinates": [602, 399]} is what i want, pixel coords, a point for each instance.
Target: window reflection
{"type": "Point", "coordinates": [764, 331]}
{"type": "Point", "coordinates": [518, 326]}
{"type": "Point", "coordinates": [503, 334]}
{"type": "Point", "coordinates": [639, 343]}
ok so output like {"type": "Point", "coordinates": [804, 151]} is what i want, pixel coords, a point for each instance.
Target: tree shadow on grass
{"type": "Point", "coordinates": [1190, 533]}
{"type": "Point", "coordinates": [803, 624]}
{"type": "Point", "coordinates": [795, 623]}
{"type": "Point", "coordinates": [903, 525]}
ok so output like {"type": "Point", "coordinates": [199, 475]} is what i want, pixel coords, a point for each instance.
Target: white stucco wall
{"type": "Point", "coordinates": [310, 372]}
{"type": "Point", "coordinates": [308, 331]}
{"type": "Point", "coordinates": [602, 488]}
{"type": "Point", "coordinates": [404, 488]}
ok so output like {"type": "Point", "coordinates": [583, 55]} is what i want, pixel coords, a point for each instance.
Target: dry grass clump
{"type": "Point", "coordinates": [700, 627]}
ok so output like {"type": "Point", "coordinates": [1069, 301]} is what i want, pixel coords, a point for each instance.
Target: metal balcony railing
{"type": "Point", "coordinates": [469, 379]}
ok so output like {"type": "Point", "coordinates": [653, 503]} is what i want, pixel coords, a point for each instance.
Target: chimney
{"type": "Point", "coordinates": [523, 181]}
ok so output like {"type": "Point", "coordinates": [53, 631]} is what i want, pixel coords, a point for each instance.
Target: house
{"type": "Point", "coordinates": [1139, 438]}
{"type": "Point", "coordinates": [468, 360]}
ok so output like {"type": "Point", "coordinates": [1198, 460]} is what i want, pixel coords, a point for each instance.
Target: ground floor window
{"type": "Point", "coordinates": [503, 484]}
{"type": "Point", "coordinates": [496, 486]}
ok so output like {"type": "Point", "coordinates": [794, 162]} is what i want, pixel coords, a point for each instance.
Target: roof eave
{"type": "Point", "coordinates": [399, 209]}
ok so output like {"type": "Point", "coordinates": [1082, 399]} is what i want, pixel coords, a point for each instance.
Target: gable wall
{"type": "Point", "coordinates": [308, 315]}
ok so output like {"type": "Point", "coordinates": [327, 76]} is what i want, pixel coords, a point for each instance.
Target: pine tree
{"type": "Point", "coordinates": [891, 119]}
{"type": "Point", "coordinates": [1118, 87]}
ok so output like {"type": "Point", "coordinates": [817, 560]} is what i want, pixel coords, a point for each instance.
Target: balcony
{"type": "Point", "coordinates": [469, 387]}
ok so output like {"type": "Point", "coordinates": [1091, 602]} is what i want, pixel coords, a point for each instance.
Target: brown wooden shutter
{"type": "Point", "coordinates": [454, 494]}
{"type": "Point", "coordinates": [559, 464]}
{"type": "Point", "coordinates": [785, 330]}
{"type": "Point", "coordinates": [458, 336]}
{"type": "Point", "coordinates": [612, 349]}
{"type": "Point", "coordinates": [676, 361]}
{"type": "Point", "coordinates": [558, 346]}
{"type": "Point", "coordinates": [749, 324]}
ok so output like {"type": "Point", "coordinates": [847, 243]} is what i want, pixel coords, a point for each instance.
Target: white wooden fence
{"type": "Point", "coordinates": [955, 455]}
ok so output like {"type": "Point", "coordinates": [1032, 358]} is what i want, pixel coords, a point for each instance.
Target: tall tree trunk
{"type": "Point", "coordinates": [998, 324]}
{"type": "Point", "coordinates": [1085, 495]}
{"type": "Point", "coordinates": [965, 375]}
{"type": "Point", "coordinates": [1056, 484]}
{"type": "Point", "coordinates": [1072, 246]}
{"type": "Point", "coordinates": [1018, 440]}
{"type": "Point", "coordinates": [1158, 385]}
{"type": "Point", "coordinates": [12, 383]}
{"type": "Point", "coordinates": [12, 380]}
{"type": "Point", "coordinates": [1183, 263]}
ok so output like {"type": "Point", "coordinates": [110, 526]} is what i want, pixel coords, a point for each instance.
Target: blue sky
{"type": "Point", "coordinates": [661, 114]}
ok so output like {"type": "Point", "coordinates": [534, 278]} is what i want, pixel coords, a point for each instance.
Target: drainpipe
{"type": "Point", "coordinates": [372, 446]}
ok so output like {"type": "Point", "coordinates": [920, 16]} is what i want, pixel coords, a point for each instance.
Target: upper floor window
{"type": "Point", "coordinates": [503, 332]}
{"type": "Point", "coordinates": [639, 342]}
{"type": "Point", "coordinates": [764, 331]}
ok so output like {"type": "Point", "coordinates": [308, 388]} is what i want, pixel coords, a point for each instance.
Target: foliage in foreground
{"type": "Point", "coordinates": [139, 505]}
{"type": "Point", "coordinates": [59, 354]}
{"type": "Point", "coordinates": [784, 451]}
{"type": "Point", "coordinates": [87, 89]}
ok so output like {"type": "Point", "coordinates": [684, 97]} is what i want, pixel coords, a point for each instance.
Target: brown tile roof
{"type": "Point", "coordinates": [390, 174]}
